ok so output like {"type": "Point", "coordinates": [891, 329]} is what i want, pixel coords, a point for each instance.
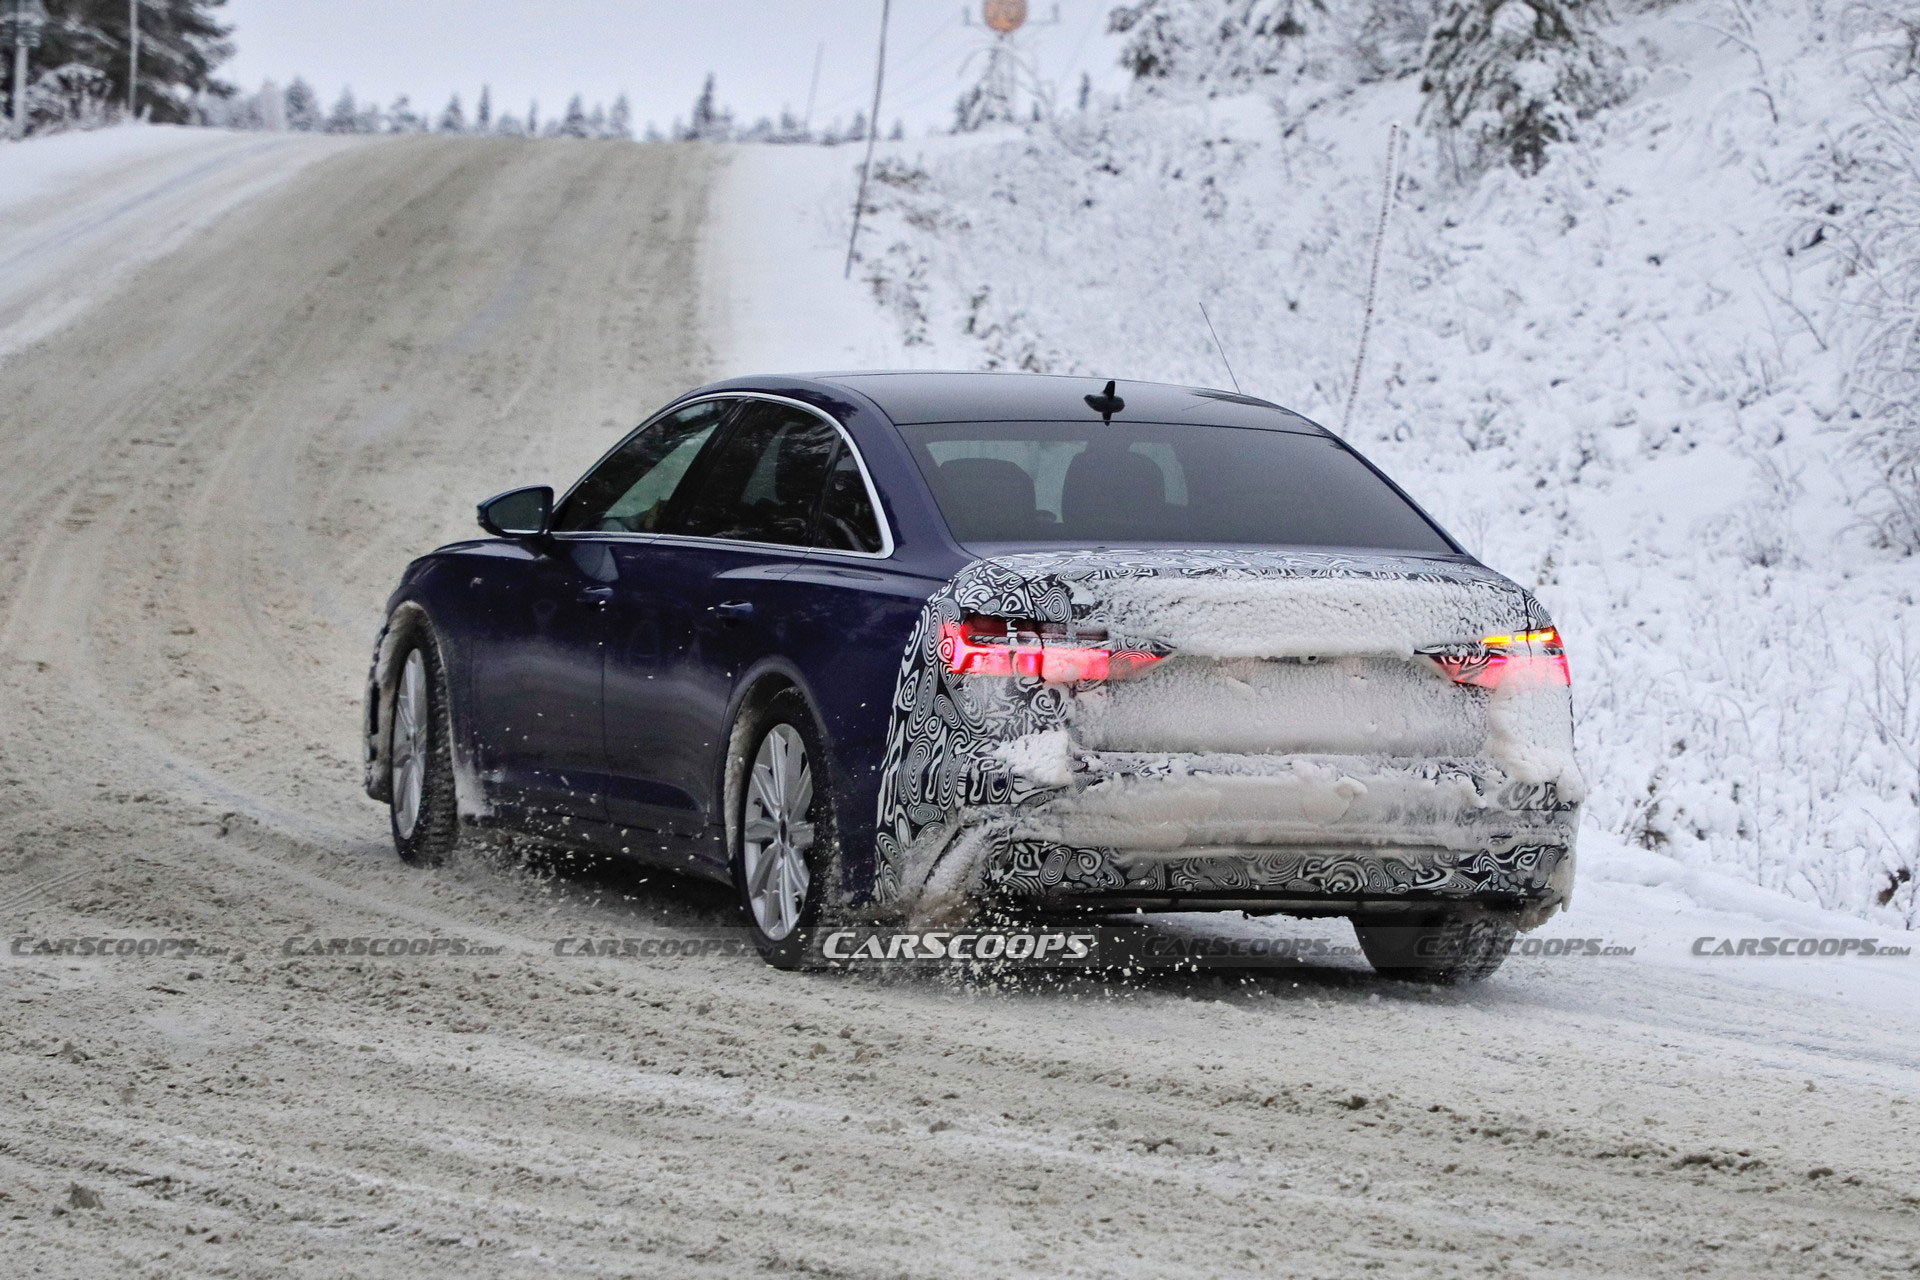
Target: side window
{"type": "Point", "coordinates": [629, 491]}
{"type": "Point", "coordinates": [765, 480]}
{"type": "Point", "coordinates": [847, 521]}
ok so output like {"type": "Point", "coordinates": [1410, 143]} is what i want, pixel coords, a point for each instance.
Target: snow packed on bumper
{"type": "Point", "coordinates": [1290, 745]}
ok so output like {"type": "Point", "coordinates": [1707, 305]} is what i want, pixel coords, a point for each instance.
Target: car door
{"type": "Point", "coordinates": [540, 652]}
{"type": "Point", "coordinates": [696, 608]}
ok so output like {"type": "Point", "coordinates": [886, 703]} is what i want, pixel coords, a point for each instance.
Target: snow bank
{"type": "Point", "coordinates": [1624, 382]}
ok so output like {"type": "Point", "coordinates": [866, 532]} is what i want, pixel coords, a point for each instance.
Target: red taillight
{"type": "Point", "coordinates": [1522, 658]}
{"type": "Point", "coordinates": [999, 647]}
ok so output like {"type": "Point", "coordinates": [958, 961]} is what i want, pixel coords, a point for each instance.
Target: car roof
{"type": "Point", "coordinates": [917, 398]}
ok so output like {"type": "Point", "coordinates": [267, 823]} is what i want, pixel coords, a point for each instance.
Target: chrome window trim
{"type": "Point", "coordinates": [887, 544]}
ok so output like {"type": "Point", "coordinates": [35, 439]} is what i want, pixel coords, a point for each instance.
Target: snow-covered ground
{"type": "Point", "coordinates": [78, 211]}
{"type": "Point", "coordinates": [1623, 382]}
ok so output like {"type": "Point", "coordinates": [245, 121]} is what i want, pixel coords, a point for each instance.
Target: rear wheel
{"type": "Point", "coordinates": [783, 829]}
{"type": "Point", "coordinates": [425, 820]}
{"type": "Point", "coordinates": [1439, 947]}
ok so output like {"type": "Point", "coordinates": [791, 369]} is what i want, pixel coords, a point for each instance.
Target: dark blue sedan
{"type": "Point", "coordinates": [889, 646]}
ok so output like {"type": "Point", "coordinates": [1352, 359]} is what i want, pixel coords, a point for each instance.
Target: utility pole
{"type": "Point", "coordinates": [873, 135]}
{"type": "Point", "coordinates": [806, 121]}
{"type": "Point", "coordinates": [133, 59]}
{"type": "Point", "coordinates": [21, 24]}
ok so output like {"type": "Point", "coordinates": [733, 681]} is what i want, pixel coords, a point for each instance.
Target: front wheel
{"type": "Point", "coordinates": [425, 818]}
{"type": "Point", "coordinates": [1440, 947]}
{"type": "Point", "coordinates": [783, 831]}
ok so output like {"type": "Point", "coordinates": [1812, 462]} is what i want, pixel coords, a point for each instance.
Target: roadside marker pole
{"type": "Point", "coordinates": [873, 135]}
{"type": "Point", "coordinates": [1394, 148]}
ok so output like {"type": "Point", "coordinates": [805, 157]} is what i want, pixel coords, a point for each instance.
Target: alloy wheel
{"type": "Point", "coordinates": [410, 721]}
{"type": "Point", "coordinates": [777, 832]}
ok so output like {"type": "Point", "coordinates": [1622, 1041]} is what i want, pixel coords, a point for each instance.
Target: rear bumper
{"type": "Point", "coordinates": [1312, 834]}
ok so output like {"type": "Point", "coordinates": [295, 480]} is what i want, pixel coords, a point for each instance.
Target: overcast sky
{"type": "Point", "coordinates": [656, 52]}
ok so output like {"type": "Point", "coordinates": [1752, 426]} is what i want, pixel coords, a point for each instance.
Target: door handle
{"type": "Point", "coordinates": [733, 610]}
{"type": "Point", "coordinates": [595, 595]}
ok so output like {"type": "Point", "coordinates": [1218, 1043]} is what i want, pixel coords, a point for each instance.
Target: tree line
{"type": "Point", "coordinates": [299, 108]}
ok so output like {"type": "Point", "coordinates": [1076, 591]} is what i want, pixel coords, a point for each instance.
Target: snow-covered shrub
{"type": "Point", "coordinates": [1861, 192]}
{"type": "Point", "coordinates": [1221, 46]}
{"type": "Point", "coordinates": [72, 96]}
{"type": "Point", "coordinates": [1504, 80]}
{"type": "Point", "coordinates": [1384, 39]}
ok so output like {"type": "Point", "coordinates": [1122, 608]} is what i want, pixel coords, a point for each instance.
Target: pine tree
{"type": "Point", "coordinates": [182, 43]}
{"type": "Point", "coordinates": [1504, 80]}
{"type": "Point", "coordinates": [453, 119]}
{"type": "Point", "coordinates": [620, 120]}
{"type": "Point", "coordinates": [483, 114]}
{"type": "Point", "coordinates": [345, 117]}
{"type": "Point", "coordinates": [533, 118]}
{"type": "Point", "coordinates": [401, 119]}
{"type": "Point", "coordinates": [303, 108]}
{"type": "Point", "coordinates": [574, 124]}
{"type": "Point", "coordinates": [1086, 90]}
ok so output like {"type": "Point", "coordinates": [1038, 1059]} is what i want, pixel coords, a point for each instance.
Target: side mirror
{"type": "Point", "coordinates": [518, 513]}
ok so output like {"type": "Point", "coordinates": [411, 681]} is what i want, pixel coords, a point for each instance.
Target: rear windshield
{"type": "Point", "coordinates": [1160, 483]}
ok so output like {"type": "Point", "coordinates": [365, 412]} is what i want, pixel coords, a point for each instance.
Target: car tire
{"type": "Point", "coordinates": [422, 811]}
{"type": "Point", "coordinates": [782, 828]}
{"type": "Point", "coordinates": [1442, 947]}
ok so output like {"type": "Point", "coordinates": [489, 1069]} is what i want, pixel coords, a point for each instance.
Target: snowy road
{"type": "Point", "coordinates": [210, 483]}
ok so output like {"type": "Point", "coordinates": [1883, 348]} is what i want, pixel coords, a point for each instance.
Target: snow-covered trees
{"type": "Point", "coordinates": [574, 123]}
{"type": "Point", "coordinates": [303, 107]}
{"type": "Point", "coordinates": [710, 122]}
{"type": "Point", "coordinates": [1217, 45]}
{"type": "Point", "coordinates": [401, 117]}
{"type": "Point", "coordinates": [1504, 80]}
{"type": "Point", "coordinates": [182, 43]}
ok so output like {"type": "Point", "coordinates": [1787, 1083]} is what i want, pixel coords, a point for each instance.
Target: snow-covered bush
{"type": "Point", "coordinates": [1504, 80]}
{"type": "Point", "coordinates": [1861, 195]}
{"type": "Point", "coordinates": [72, 96]}
{"type": "Point", "coordinates": [1222, 46]}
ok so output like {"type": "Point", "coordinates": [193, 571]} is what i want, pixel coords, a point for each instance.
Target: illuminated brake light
{"type": "Point", "coordinates": [996, 647]}
{"type": "Point", "coordinates": [1522, 658]}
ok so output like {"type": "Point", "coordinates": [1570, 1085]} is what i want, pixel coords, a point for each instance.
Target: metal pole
{"type": "Point", "coordinates": [806, 121]}
{"type": "Point", "coordinates": [873, 134]}
{"type": "Point", "coordinates": [20, 89]}
{"type": "Point", "coordinates": [133, 59]}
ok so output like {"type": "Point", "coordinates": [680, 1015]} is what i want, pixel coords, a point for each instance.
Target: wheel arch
{"type": "Point", "coordinates": [761, 686]}
{"type": "Point", "coordinates": [404, 621]}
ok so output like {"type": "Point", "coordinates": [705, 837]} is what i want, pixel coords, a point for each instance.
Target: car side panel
{"type": "Point", "coordinates": [846, 633]}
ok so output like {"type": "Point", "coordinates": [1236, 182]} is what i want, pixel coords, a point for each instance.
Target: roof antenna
{"type": "Point", "coordinates": [1106, 404]}
{"type": "Point", "coordinates": [1220, 348]}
